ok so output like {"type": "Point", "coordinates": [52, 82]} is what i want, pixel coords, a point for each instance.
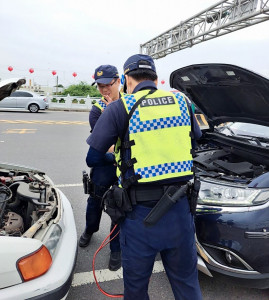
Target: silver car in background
{"type": "Point", "coordinates": [25, 100]}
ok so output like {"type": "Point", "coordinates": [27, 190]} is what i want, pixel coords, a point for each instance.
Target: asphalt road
{"type": "Point", "coordinates": [55, 143]}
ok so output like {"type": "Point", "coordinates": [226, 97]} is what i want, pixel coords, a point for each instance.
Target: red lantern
{"type": "Point", "coordinates": [92, 76]}
{"type": "Point", "coordinates": [162, 82]}
{"type": "Point", "coordinates": [10, 68]}
{"type": "Point", "coordinates": [74, 74]}
{"type": "Point", "coordinates": [53, 72]}
{"type": "Point", "coordinates": [31, 70]}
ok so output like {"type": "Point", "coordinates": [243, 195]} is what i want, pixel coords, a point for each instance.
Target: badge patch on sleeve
{"type": "Point", "coordinates": [157, 101]}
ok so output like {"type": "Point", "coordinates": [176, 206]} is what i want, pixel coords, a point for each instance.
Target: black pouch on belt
{"type": "Point", "coordinates": [87, 183]}
{"type": "Point", "coordinates": [116, 203]}
{"type": "Point", "coordinates": [170, 197]}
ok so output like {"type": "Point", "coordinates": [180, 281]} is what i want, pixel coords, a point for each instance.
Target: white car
{"type": "Point", "coordinates": [25, 100]}
{"type": "Point", "coordinates": [38, 238]}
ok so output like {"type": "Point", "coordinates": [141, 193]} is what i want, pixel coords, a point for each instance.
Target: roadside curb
{"type": "Point", "coordinates": [67, 109]}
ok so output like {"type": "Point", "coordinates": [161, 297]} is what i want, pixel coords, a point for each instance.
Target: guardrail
{"type": "Point", "coordinates": [85, 103]}
{"type": "Point", "coordinates": [71, 102]}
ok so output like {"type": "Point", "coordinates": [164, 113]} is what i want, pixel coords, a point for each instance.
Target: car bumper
{"type": "Point", "coordinates": [257, 281]}
{"type": "Point", "coordinates": [212, 259]}
{"type": "Point", "coordinates": [54, 284]}
{"type": "Point", "coordinates": [250, 280]}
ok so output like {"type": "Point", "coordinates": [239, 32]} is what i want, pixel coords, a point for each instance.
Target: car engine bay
{"type": "Point", "coordinates": [230, 159]}
{"type": "Point", "coordinates": [27, 202]}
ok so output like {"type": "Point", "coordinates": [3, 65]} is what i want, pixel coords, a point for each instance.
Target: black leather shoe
{"type": "Point", "coordinates": [114, 261]}
{"type": "Point", "coordinates": [85, 239]}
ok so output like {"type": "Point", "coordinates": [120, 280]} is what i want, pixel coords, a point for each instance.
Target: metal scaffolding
{"type": "Point", "coordinates": [219, 19]}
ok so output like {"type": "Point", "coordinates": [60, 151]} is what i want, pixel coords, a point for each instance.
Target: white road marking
{"type": "Point", "coordinates": [106, 275]}
{"type": "Point", "coordinates": [68, 185]}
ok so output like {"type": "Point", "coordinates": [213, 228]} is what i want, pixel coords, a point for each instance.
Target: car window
{"type": "Point", "coordinates": [15, 94]}
{"type": "Point", "coordinates": [25, 94]}
{"type": "Point", "coordinates": [21, 94]}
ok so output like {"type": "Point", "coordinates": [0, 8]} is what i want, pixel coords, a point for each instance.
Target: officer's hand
{"type": "Point", "coordinates": [111, 149]}
{"type": "Point", "coordinates": [107, 100]}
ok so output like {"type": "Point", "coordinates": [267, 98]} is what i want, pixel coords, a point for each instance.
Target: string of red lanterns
{"type": "Point", "coordinates": [74, 74]}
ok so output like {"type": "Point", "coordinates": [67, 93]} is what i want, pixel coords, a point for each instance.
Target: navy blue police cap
{"type": "Point", "coordinates": [139, 61]}
{"type": "Point", "coordinates": [105, 74]}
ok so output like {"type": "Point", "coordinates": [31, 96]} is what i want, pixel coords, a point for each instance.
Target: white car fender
{"type": "Point", "coordinates": [11, 250]}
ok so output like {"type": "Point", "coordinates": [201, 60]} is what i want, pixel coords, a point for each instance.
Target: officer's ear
{"type": "Point", "coordinates": [124, 85]}
{"type": "Point", "coordinates": [118, 82]}
{"type": "Point", "coordinates": [156, 82]}
{"type": "Point", "coordinates": [126, 82]}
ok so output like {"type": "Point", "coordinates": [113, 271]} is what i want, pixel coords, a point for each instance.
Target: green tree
{"type": "Point", "coordinates": [81, 89]}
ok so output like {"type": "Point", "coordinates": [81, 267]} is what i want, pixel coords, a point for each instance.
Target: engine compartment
{"type": "Point", "coordinates": [235, 161]}
{"type": "Point", "coordinates": [27, 202]}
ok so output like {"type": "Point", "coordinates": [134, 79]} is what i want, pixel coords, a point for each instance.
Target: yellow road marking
{"type": "Point", "coordinates": [45, 122]}
{"type": "Point", "coordinates": [20, 131]}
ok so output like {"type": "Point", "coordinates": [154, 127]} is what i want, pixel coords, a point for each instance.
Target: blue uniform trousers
{"type": "Point", "coordinates": [173, 237]}
{"type": "Point", "coordinates": [93, 217]}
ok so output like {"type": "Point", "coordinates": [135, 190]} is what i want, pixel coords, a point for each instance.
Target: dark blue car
{"type": "Point", "coordinates": [232, 161]}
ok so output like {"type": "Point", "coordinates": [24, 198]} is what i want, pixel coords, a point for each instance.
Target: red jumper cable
{"type": "Point", "coordinates": [104, 243]}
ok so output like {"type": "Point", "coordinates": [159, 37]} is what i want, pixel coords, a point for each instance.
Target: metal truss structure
{"type": "Point", "coordinates": [219, 19]}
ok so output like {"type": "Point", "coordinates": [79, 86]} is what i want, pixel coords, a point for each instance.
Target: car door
{"type": "Point", "coordinates": [23, 99]}
{"type": "Point", "coordinates": [9, 102]}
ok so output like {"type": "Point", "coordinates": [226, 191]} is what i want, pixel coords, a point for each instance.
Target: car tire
{"type": "Point", "coordinates": [33, 108]}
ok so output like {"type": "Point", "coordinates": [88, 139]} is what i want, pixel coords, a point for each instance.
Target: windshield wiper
{"type": "Point", "coordinates": [257, 139]}
{"type": "Point", "coordinates": [226, 127]}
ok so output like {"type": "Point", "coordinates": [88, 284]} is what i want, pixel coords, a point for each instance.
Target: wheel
{"type": "Point", "coordinates": [33, 108]}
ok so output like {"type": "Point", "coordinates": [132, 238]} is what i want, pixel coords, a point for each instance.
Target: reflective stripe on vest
{"type": "Point", "coordinates": [160, 127]}
{"type": "Point", "coordinates": [99, 104]}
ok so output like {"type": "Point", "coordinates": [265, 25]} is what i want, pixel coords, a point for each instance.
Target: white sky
{"type": "Point", "coordinates": [77, 36]}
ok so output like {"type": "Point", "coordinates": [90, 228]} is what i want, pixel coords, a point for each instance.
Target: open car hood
{"type": "Point", "coordinates": [10, 85]}
{"type": "Point", "coordinates": [225, 93]}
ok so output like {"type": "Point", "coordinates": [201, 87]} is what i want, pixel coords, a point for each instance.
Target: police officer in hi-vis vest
{"type": "Point", "coordinates": [102, 176]}
{"type": "Point", "coordinates": [154, 132]}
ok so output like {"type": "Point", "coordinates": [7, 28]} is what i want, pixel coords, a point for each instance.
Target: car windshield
{"type": "Point", "coordinates": [245, 130]}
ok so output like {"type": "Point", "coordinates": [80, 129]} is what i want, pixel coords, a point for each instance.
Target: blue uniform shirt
{"type": "Point", "coordinates": [111, 124]}
{"type": "Point", "coordinates": [94, 116]}
{"type": "Point", "coordinates": [104, 174]}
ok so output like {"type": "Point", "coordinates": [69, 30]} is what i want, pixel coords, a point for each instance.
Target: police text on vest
{"type": "Point", "coordinates": [157, 101]}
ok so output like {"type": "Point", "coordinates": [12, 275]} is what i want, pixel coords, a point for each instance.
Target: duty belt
{"type": "Point", "coordinates": [98, 190]}
{"type": "Point", "coordinates": [149, 195]}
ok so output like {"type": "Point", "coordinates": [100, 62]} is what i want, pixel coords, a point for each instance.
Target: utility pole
{"type": "Point", "coordinates": [57, 85]}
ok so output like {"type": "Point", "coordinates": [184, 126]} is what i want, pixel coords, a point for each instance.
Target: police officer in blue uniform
{"type": "Point", "coordinates": [154, 158]}
{"type": "Point", "coordinates": [102, 177]}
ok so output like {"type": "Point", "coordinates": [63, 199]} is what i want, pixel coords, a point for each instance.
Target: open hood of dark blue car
{"type": "Point", "coordinates": [225, 93]}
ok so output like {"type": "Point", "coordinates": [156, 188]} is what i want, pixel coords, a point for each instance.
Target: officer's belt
{"type": "Point", "coordinates": [98, 190]}
{"type": "Point", "coordinates": [152, 193]}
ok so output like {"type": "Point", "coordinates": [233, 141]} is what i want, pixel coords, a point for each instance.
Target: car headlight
{"type": "Point", "coordinates": [54, 235]}
{"type": "Point", "coordinates": [231, 195]}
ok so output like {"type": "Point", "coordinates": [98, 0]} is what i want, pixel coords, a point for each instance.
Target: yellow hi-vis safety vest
{"type": "Point", "coordinates": [159, 137]}
{"type": "Point", "coordinates": [100, 104]}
